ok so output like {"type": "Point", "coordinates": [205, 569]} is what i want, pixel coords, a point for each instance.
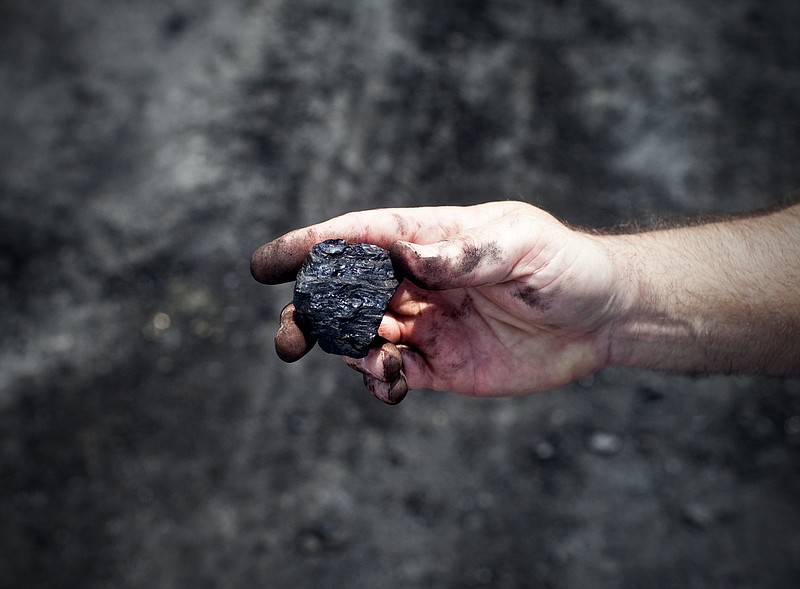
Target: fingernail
{"type": "Point", "coordinates": [425, 250]}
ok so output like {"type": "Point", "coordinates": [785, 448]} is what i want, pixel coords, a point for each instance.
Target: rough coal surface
{"type": "Point", "coordinates": [342, 292]}
{"type": "Point", "coordinates": [149, 436]}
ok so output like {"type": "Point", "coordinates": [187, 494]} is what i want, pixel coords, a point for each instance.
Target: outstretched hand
{"type": "Point", "coordinates": [496, 299]}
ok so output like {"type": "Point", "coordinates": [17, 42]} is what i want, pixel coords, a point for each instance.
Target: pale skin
{"type": "Point", "coordinates": [503, 299]}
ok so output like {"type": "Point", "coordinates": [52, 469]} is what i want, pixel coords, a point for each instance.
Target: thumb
{"type": "Point", "coordinates": [457, 262]}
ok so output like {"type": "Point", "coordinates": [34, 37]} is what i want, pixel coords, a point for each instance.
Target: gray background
{"type": "Point", "coordinates": [150, 438]}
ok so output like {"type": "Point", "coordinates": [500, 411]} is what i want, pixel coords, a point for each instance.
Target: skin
{"type": "Point", "coordinates": [502, 299]}
{"type": "Point", "coordinates": [720, 297]}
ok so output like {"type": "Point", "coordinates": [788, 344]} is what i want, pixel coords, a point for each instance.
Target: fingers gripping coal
{"type": "Point", "coordinates": [343, 290]}
{"type": "Point", "coordinates": [383, 372]}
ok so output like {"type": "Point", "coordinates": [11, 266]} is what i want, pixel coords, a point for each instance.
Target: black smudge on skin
{"type": "Point", "coordinates": [392, 364]}
{"type": "Point", "coordinates": [402, 226]}
{"type": "Point", "coordinates": [473, 255]}
{"type": "Point", "coordinates": [438, 273]}
{"type": "Point", "coordinates": [390, 393]}
{"type": "Point", "coordinates": [463, 311]}
{"type": "Point", "coordinates": [534, 298]}
{"type": "Point", "coordinates": [426, 273]}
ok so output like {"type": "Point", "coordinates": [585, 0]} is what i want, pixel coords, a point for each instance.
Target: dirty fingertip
{"type": "Point", "coordinates": [291, 343]}
{"type": "Point", "coordinates": [402, 254]}
{"type": "Point", "coordinates": [391, 360]}
{"type": "Point", "coordinates": [398, 390]}
{"type": "Point", "coordinates": [390, 393]}
{"type": "Point", "coordinates": [278, 261]}
{"type": "Point", "coordinates": [427, 266]}
{"type": "Point", "coordinates": [383, 362]}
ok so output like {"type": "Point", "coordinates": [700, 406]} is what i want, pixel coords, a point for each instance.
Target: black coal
{"type": "Point", "coordinates": [341, 294]}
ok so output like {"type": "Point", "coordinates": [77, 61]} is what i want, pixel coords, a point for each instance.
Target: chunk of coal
{"type": "Point", "coordinates": [341, 294]}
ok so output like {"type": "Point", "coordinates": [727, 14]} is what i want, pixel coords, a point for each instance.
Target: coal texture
{"type": "Point", "coordinates": [341, 294]}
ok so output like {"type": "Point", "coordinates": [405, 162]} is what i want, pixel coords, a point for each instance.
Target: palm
{"type": "Point", "coordinates": [512, 337]}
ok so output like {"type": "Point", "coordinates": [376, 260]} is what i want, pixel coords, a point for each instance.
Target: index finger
{"type": "Point", "coordinates": [279, 260]}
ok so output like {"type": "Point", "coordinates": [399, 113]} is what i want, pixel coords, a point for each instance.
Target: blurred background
{"type": "Point", "coordinates": [149, 437]}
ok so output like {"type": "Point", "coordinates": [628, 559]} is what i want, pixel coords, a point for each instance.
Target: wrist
{"type": "Point", "coordinates": [720, 298]}
{"type": "Point", "coordinates": [652, 326]}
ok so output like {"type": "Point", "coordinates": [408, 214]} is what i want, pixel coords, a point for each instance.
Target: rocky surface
{"type": "Point", "coordinates": [150, 438]}
{"type": "Point", "coordinates": [341, 294]}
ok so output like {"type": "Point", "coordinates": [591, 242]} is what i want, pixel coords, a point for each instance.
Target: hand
{"type": "Point", "coordinates": [497, 299]}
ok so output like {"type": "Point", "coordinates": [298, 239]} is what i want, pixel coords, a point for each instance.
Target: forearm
{"type": "Point", "coordinates": [719, 297]}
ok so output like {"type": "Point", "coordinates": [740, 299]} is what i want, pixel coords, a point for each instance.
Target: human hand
{"type": "Point", "coordinates": [497, 299]}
